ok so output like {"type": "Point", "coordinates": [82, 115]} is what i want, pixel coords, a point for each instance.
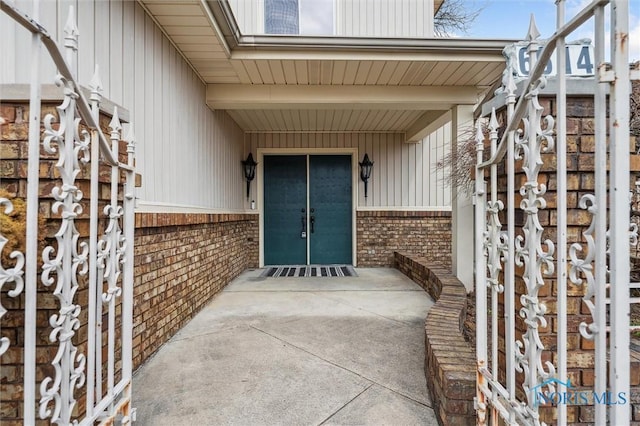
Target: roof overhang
{"type": "Point", "coordinates": [240, 96]}
{"type": "Point", "coordinates": [415, 80]}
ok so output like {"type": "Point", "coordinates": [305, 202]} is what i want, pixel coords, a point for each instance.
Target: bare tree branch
{"type": "Point", "coordinates": [458, 164]}
{"type": "Point", "coordinates": [455, 17]}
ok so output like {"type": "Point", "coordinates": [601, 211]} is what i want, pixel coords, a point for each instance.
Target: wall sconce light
{"type": "Point", "coordinates": [365, 171]}
{"type": "Point", "coordinates": [249, 167]}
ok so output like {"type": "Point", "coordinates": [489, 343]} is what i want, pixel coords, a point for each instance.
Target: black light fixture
{"type": "Point", "coordinates": [365, 171]}
{"type": "Point", "coordinates": [249, 166]}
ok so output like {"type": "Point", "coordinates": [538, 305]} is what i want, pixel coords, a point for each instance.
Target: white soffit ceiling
{"type": "Point", "coordinates": [444, 65]}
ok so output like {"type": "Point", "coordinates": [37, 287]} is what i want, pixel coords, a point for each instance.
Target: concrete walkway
{"type": "Point", "coordinates": [295, 351]}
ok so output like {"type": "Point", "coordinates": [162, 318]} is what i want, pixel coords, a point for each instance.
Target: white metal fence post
{"type": "Point", "coordinates": [494, 246]}
{"type": "Point", "coordinates": [510, 280]}
{"type": "Point", "coordinates": [481, 284]}
{"type": "Point", "coordinates": [561, 209]}
{"type": "Point", "coordinates": [32, 257]}
{"type": "Point", "coordinates": [599, 330]}
{"type": "Point", "coordinates": [127, 299]}
{"type": "Point", "coordinates": [115, 244]}
{"type": "Point", "coordinates": [619, 199]}
{"type": "Point", "coordinates": [96, 98]}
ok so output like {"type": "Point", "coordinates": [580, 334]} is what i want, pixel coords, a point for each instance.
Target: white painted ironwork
{"type": "Point", "coordinates": [532, 252]}
{"type": "Point", "coordinates": [101, 264]}
{"type": "Point", "coordinates": [14, 275]}
{"type": "Point", "coordinates": [32, 255]}
{"type": "Point", "coordinates": [600, 265]}
{"type": "Point", "coordinates": [619, 335]}
{"type": "Point", "coordinates": [561, 205]}
{"type": "Point", "coordinates": [600, 292]}
{"type": "Point", "coordinates": [69, 262]}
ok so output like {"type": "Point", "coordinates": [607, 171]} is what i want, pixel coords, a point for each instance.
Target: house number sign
{"type": "Point", "coordinates": [579, 60]}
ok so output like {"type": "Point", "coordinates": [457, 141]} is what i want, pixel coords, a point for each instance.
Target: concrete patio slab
{"type": "Point", "coordinates": [384, 351]}
{"type": "Point", "coordinates": [380, 406]}
{"type": "Point", "coordinates": [295, 351]}
{"type": "Point", "coordinates": [240, 376]}
{"type": "Point", "coordinates": [384, 303]}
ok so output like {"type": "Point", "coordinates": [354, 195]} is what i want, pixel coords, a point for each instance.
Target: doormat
{"type": "Point", "coordinates": [309, 271]}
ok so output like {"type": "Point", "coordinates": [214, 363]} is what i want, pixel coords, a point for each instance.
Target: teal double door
{"type": "Point", "coordinates": [307, 209]}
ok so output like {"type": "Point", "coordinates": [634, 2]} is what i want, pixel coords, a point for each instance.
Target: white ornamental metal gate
{"type": "Point", "coordinates": [528, 260]}
{"type": "Point", "coordinates": [82, 387]}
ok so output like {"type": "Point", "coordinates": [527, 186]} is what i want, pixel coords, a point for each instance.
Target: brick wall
{"type": "Point", "coordinates": [449, 363]}
{"type": "Point", "coordinates": [181, 262]}
{"type": "Point", "coordinates": [381, 233]}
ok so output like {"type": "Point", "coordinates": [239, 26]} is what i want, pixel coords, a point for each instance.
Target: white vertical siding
{"type": "Point", "coordinates": [187, 154]}
{"type": "Point", "coordinates": [404, 175]}
{"type": "Point", "coordinates": [384, 18]}
{"type": "Point", "coordinates": [355, 18]}
{"type": "Point", "coordinates": [249, 15]}
{"type": "Point", "coordinates": [15, 44]}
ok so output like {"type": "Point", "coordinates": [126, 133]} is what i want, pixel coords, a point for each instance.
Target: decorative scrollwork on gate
{"type": "Point", "coordinates": [71, 143]}
{"type": "Point", "coordinates": [495, 244]}
{"type": "Point", "coordinates": [496, 240]}
{"type": "Point", "coordinates": [13, 275]}
{"type": "Point", "coordinates": [113, 242]}
{"type": "Point", "coordinates": [112, 269]}
{"type": "Point", "coordinates": [583, 266]}
{"type": "Point", "coordinates": [531, 251]}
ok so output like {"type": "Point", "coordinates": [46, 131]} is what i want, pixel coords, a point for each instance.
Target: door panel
{"type": "Point", "coordinates": [285, 198]}
{"type": "Point", "coordinates": [330, 202]}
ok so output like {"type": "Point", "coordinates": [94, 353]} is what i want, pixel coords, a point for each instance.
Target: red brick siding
{"type": "Point", "coordinates": [180, 267]}
{"type": "Point", "coordinates": [424, 233]}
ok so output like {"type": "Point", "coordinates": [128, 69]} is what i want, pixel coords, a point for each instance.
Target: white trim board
{"type": "Point", "coordinates": [404, 209]}
{"type": "Point", "coordinates": [159, 207]}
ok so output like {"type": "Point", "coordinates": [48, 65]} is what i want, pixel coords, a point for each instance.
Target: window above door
{"type": "Point", "coordinates": [304, 17]}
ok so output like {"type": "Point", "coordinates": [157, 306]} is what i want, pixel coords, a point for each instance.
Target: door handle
{"type": "Point", "coordinates": [303, 233]}
{"type": "Point", "coordinates": [313, 221]}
